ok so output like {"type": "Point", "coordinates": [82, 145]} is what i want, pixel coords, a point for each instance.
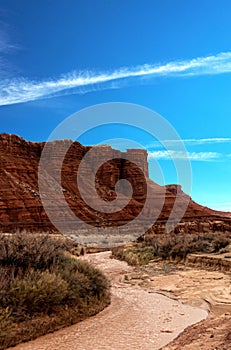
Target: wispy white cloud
{"type": "Point", "coordinates": [192, 156]}
{"type": "Point", "coordinates": [6, 47]}
{"type": "Point", "coordinates": [3, 50]}
{"type": "Point", "coordinates": [23, 90]}
{"type": "Point", "coordinates": [189, 142]}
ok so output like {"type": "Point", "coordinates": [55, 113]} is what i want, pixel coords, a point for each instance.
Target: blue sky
{"type": "Point", "coordinates": [57, 57]}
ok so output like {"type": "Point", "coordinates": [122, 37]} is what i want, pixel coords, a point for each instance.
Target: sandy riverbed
{"type": "Point", "coordinates": [136, 319]}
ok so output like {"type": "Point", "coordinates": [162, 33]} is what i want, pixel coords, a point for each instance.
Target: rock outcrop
{"type": "Point", "coordinates": [20, 202]}
{"type": "Point", "coordinates": [210, 334]}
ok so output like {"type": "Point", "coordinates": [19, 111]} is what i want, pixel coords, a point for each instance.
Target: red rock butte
{"type": "Point", "coordinates": [21, 207]}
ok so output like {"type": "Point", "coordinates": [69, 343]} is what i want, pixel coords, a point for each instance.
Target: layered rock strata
{"type": "Point", "coordinates": [20, 196]}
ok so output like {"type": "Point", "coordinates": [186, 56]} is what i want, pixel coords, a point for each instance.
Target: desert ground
{"type": "Point", "coordinates": [137, 318]}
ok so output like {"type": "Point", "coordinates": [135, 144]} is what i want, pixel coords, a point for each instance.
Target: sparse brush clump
{"type": "Point", "coordinates": [43, 288]}
{"type": "Point", "coordinates": [172, 246]}
{"type": "Point", "coordinates": [136, 255]}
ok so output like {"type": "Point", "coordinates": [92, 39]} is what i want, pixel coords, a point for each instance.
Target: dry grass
{"type": "Point", "coordinates": [43, 288]}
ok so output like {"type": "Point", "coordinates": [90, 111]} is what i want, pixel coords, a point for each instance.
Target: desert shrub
{"type": "Point", "coordinates": [83, 281]}
{"type": "Point", "coordinates": [27, 251]}
{"type": "Point", "coordinates": [6, 274]}
{"type": "Point", "coordinates": [127, 254]}
{"type": "Point", "coordinates": [180, 250]}
{"type": "Point", "coordinates": [220, 242]}
{"type": "Point", "coordinates": [37, 292]}
{"type": "Point", "coordinates": [41, 281]}
{"type": "Point", "coordinates": [164, 248]}
{"type": "Point", "coordinates": [172, 246]}
{"type": "Point", "coordinates": [137, 255]}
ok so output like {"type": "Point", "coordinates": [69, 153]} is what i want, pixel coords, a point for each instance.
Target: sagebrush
{"type": "Point", "coordinates": [172, 246]}
{"type": "Point", "coordinates": [43, 287]}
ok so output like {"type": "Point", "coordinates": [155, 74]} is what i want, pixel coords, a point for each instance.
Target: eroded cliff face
{"type": "Point", "coordinates": [19, 197]}
{"type": "Point", "coordinates": [20, 202]}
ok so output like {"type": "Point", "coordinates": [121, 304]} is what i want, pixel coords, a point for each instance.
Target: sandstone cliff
{"type": "Point", "coordinates": [20, 202]}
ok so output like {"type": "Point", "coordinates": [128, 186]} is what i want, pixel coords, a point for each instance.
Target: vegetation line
{"type": "Point", "coordinates": [175, 247]}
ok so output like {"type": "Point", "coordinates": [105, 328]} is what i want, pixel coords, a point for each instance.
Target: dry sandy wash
{"type": "Point", "coordinates": [135, 319]}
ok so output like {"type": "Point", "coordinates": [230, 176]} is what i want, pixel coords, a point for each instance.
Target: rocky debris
{"type": "Point", "coordinates": [21, 206]}
{"type": "Point", "coordinates": [214, 262]}
{"type": "Point", "coordinates": [201, 225]}
{"type": "Point", "coordinates": [210, 334]}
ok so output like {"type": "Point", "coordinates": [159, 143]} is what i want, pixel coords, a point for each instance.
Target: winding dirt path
{"type": "Point", "coordinates": [135, 319]}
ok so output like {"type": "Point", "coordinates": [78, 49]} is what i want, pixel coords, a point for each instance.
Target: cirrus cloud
{"type": "Point", "coordinates": [190, 142]}
{"type": "Point", "coordinates": [22, 90]}
{"type": "Point", "coordinates": [192, 156]}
